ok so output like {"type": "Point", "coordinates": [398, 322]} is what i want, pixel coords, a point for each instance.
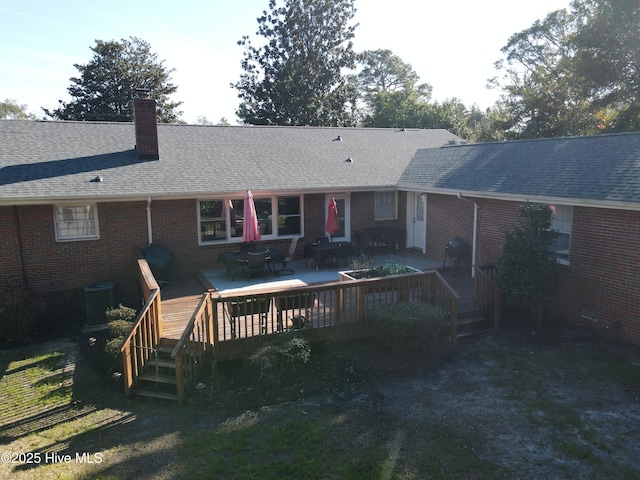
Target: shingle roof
{"type": "Point", "coordinates": [44, 161]}
{"type": "Point", "coordinates": [601, 168]}
{"type": "Point", "coordinates": [58, 160]}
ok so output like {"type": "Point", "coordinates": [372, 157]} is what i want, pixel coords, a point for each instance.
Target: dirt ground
{"type": "Point", "coordinates": [565, 405]}
{"type": "Point", "coordinates": [515, 404]}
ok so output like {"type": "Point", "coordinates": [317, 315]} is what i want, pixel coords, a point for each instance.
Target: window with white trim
{"type": "Point", "coordinates": [561, 221]}
{"type": "Point", "coordinates": [76, 222]}
{"type": "Point", "coordinates": [385, 206]}
{"type": "Point", "coordinates": [221, 220]}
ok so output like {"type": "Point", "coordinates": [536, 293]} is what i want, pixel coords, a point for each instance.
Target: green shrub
{"type": "Point", "coordinates": [112, 349]}
{"type": "Point", "coordinates": [283, 353]}
{"type": "Point", "coordinates": [408, 326]}
{"type": "Point", "coordinates": [119, 328]}
{"type": "Point", "coordinates": [527, 268]}
{"type": "Point", "coordinates": [121, 313]}
{"type": "Point", "coordinates": [120, 320]}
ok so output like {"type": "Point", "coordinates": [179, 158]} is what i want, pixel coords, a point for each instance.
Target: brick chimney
{"type": "Point", "coordinates": [144, 117]}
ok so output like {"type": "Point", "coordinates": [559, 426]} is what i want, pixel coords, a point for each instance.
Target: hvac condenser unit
{"type": "Point", "coordinates": [97, 298]}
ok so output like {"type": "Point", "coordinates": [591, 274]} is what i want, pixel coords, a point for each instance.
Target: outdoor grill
{"type": "Point", "coordinates": [457, 250]}
{"type": "Point", "coordinates": [161, 261]}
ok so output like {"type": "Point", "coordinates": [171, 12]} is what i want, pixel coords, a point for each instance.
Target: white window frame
{"type": "Point", "coordinates": [66, 215]}
{"type": "Point", "coordinates": [274, 217]}
{"type": "Point", "coordinates": [383, 209]}
{"type": "Point", "coordinates": [562, 222]}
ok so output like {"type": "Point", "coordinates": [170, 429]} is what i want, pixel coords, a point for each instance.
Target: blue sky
{"type": "Point", "coordinates": [451, 45]}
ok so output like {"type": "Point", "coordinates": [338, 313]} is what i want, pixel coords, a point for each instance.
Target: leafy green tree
{"type": "Point", "coordinates": [573, 73]}
{"type": "Point", "coordinates": [384, 72]}
{"type": "Point", "coordinates": [390, 91]}
{"type": "Point", "coordinates": [527, 267]}
{"type": "Point", "coordinates": [10, 109]}
{"type": "Point", "coordinates": [106, 87]}
{"type": "Point", "coordinates": [296, 76]}
{"type": "Point", "coordinates": [394, 98]}
{"type": "Point", "coordinates": [607, 43]}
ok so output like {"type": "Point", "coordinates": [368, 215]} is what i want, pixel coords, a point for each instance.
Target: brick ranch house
{"type": "Point", "coordinates": [77, 199]}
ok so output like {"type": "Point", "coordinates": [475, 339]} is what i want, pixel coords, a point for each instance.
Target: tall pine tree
{"type": "Point", "coordinates": [105, 89]}
{"type": "Point", "coordinates": [297, 76]}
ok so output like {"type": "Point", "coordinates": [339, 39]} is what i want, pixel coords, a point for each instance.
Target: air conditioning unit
{"type": "Point", "coordinates": [97, 298]}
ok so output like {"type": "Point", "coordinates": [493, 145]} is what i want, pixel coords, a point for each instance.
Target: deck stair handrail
{"type": "Point", "coordinates": [487, 294]}
{"type": "Point", "coordinates": [447, 300]}
{"type": "Point", "coordinates": [140, 345]}
{"type": "Point", "coordinates": [192, 347]}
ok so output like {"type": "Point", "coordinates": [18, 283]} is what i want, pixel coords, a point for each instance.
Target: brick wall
{"type": "Point", "coordinates": [447, 217]}
{"type": "Point", "coordinates": [51, 266]}
{"type": "Point", "coordinates": [602, 278]}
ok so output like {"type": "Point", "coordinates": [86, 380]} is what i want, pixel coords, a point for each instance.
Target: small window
{"type": "Point", "coordinates": [76, 222]}
{"type": "Point", "coordinates": [385, 206]}
{"type": "Point", "coordinates": [213, 224]}
{"type": "Point", "coordinates": [562, 221]}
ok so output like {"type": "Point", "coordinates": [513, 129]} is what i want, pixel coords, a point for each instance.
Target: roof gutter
{"type": "Point", "coordinates": [475, 231]}
{"type": "Point", "coordinates": [149, 225]}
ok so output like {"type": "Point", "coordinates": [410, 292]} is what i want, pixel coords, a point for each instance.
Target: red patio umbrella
{"type": "Point", "coordinates": [250, 230]}
{"type": "Point", "coordinates": [332, 218]}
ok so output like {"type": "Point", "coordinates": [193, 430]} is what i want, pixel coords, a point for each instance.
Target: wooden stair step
{"type": "Point", "coordinates": [161, 362]}
{"type": "Point", "coordinates": [465, 321]}
{"type": "Point", "coordinates": [163, 349]}
{"type": "Point", "coordinates": [469, 333]}
{"type": "Point", "coordinates": [155, 394]}
{"type": "Point", "coordinates": [160, 378]}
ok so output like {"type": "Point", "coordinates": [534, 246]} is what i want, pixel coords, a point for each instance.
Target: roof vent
{"type": "Point", "coordinates": [338, 139]}
{"type": "Point", "coordinates": [97, 179]}
{"type": "Point", "coordinates": [349, 160]}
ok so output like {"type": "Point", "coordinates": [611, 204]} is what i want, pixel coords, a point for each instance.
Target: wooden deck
{"type": "Point", "coordinates": [180, 299]}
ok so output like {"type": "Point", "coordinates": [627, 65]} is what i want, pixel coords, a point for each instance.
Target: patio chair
{"type": "Point", "coordinates": [288, 258]}
{"type": "Point", "coordinates": [344, 253]}
{"type": "Point", "coordinates": [256, 263]}
{"type": "Point", "coordinates": [301, 304]}
{"type": "Point", "coordinates": [249, 308]}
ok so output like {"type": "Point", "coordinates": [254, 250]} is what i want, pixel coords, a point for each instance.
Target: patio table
{"type": "Point", "coordinates": [321, 252]}
{"type": "Point", "coordinates": [233, 260]}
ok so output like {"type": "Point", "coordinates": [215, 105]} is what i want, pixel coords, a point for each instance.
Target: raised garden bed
{"type": "Point", "coordinates": [376, 271]}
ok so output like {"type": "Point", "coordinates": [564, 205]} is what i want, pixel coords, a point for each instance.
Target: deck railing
{"type": "Point", "coordinates": [194, 344]}
{"type": "Point", "coordinates": [139, 346]}
{"type": "Point", "coordinates": [330, 311]}
{"type": "Point", "coordinates": [446, 299]}
{"type": "Point", "coordinates": [487, 294]}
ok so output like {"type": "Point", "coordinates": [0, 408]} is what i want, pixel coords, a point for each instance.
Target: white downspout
{"type": "Point", "coordinates": [149, 231]}
{"type": "Point", "coordinates": [475, 231]}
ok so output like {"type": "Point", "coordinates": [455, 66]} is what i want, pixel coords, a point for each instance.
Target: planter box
{"type": "Point", "coordinates": [360, 274]}
{"type": "Point", "coordinates": [366, 292]}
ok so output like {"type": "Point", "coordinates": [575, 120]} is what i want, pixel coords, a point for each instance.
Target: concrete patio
{"type": "Point", "coordinates": [307, 274]}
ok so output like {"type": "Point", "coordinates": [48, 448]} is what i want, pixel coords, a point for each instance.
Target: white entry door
{"type": "Point", "coordinates": [417, 221]}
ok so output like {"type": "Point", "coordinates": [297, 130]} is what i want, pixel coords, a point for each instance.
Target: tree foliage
{"type": "Point", "coordinates": [390, 91]}
{"type": "Point", "coordinates": [574, 73]}
{"type": "Point", "coordinates": [105, 88]}
{"type": "Point", "coordinates": [9, 109]}
{"type": "Point", "coordinates": [297, 76]}
{"type": "Point", "coordinates": [527, 267]}
{"type": "Point", "coordinates": [394, 98]}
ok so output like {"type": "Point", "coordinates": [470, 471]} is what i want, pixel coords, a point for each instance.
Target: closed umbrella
{"type": "Point", "coordinates": [332, 218]}
{"type": "Point", "coordinates": [250, 230]}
